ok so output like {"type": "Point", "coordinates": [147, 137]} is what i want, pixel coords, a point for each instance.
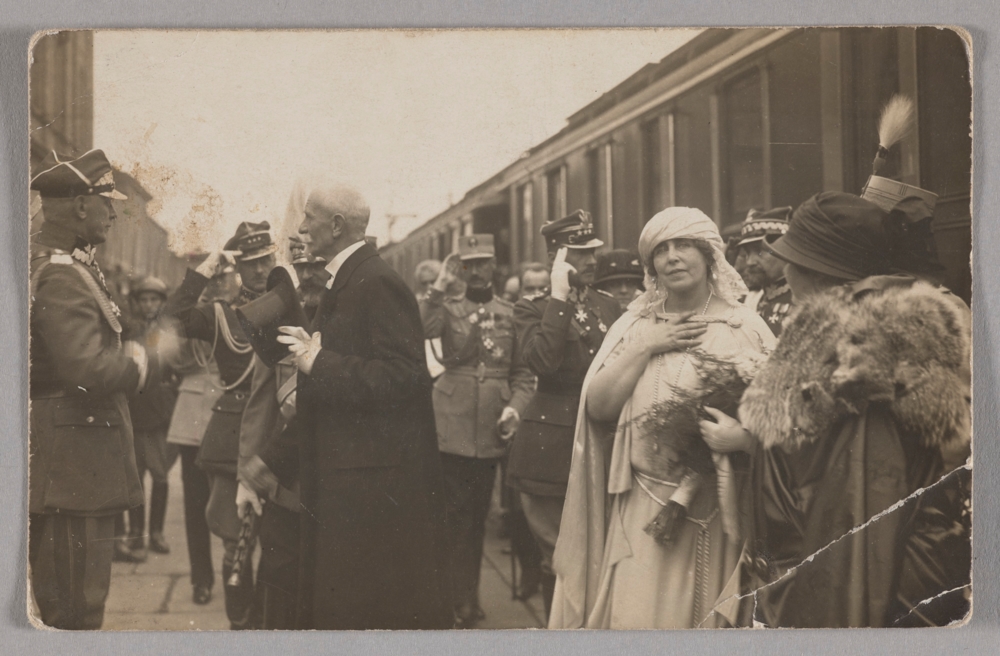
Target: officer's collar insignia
{"type": "Point", "coordinates": [777, 291]}
{"type": "Point", "coordinates": [84, 252]}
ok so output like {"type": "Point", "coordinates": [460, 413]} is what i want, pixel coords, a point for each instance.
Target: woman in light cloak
{"type": "Point", "coordinates": [652, 526]}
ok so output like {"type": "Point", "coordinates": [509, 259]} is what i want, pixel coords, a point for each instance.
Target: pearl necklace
{"type": "Point", "coordinates": [687, 354]}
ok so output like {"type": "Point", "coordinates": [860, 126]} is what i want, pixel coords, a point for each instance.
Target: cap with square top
{"type": "Point", "coordinates": [574, 231]}
{"type": "Point", "coordinates": [252, 240]}
{"type": "Point", "coordinates": [765, 225]}
{"type": "Point", "coordinates": [87, 175]}
{"type": "Point", "coordinates": [475, 247]}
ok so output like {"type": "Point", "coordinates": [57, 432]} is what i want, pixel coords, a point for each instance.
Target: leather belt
{"type": "Point", "coordinates": [480, 371]}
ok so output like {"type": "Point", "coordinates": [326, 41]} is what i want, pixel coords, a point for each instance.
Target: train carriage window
{"type": "Point", "coordinates": [555, 187]}
{"type": "Point", "coordinates": [525, 221]}
{"type": "Point", "coordinates": [796, 139]}
{"type": "Point", "coordinates": [594, 157]}
{"type": "Point", "coordinates": [743, 157]}
{"type": "Point", "coordinates": [652, 175]}
{"type": "Point", "coordinates": [693, 145]}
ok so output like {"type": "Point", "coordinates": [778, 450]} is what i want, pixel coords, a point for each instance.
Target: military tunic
{"type": "Point", "coordinates": [775, 304]}
{"type": "Point", "coordinates": [82, 469]}
{"type": "Point", "coordinates": [482, 374]}
{"type": "Point", "coordinates": [220, 446]}
{"type": "Point", "coordinates": [558, 342]}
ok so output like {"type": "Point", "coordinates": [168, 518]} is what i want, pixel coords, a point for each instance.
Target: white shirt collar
{"type": "Point", "coordinates": [338, 261]}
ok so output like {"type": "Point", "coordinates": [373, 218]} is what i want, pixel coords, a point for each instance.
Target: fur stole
{"type": "Point", "coordinates": [888, 339]}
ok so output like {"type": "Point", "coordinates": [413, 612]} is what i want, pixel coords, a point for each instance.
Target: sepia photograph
{"type": "Point", "coordinates": [397, 329]}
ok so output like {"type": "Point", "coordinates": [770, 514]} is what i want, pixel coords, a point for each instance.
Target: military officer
{"type": "Point", "coordinates": [82, 470]}
{"type": "Point", "coordinates": [763, 270]}
{"type": "Point", "coordinates": [559, 334]}
{"type": "Point", "coordinates": [217, 324]}
{"type": "Point", "coordinates": [478, 402]}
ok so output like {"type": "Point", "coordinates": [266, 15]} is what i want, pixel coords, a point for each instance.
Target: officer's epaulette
{"type": "Point", "coordinates": [601, 291]}
{"type": "Point", "coordinates": [50, 255]}
{"type": "Point", "coordinates": [537, 296]}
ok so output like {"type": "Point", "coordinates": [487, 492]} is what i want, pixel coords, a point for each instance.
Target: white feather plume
{"type": "Point", "coordinates": [896, 120]}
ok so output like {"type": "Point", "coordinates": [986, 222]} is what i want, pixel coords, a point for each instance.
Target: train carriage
{"type": "Point", "coordinates": [733, 120]}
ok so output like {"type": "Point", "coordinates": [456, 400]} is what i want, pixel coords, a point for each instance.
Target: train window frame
{"type": "Point", "coordinates": [754, 77]}
{"type": "Point", "coordinates": [559, 209]}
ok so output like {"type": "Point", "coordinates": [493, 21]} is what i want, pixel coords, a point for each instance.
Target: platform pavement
{"type": "Point", "coordinates": [156, 595]}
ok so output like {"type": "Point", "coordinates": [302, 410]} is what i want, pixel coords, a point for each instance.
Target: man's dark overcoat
{"type": "Point", "coordinates": [374, 543]}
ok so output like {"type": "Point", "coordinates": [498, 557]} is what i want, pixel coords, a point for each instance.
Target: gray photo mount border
{"type": "Point", "coordinates": [20, 21]}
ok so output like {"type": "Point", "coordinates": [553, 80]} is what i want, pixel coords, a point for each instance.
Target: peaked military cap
{"type": "Point", "coordinates": [252, 240]}
{"type": "Point", "coordinates": [87, 175]}
{"type": "Point", "coordinates": [766, 225]}
{"type": "Point", "coordinates": [618, 264]}
{"type": "Point", "coordinates": [573, 231]}
{"type": "Point", "coordinates": [475, 247]}
{"type": "Point", "coordinates": [150, 284]}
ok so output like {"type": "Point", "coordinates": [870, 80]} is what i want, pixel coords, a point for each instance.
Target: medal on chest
{"type": "Point", "coordinates": [583, 314]}
{"type": "Point", "coordinates": [486, 321]}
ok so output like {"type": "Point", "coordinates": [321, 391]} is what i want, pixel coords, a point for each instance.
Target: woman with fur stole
{"type": "Point", "coordinates": [858, 520]}
{"type": "Point", "coordinates": [652, 528]}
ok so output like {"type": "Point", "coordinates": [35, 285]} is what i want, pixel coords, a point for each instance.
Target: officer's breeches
{"type": "Point", "coordinates": [70, 560]}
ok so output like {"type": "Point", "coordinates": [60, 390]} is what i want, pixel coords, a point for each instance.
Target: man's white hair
{"type": "Point", "coordinates": [337, 198]}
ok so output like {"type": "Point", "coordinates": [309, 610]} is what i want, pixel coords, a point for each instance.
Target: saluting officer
{"type": "Point", "coordinates": [764, 270]}
{"type": "Point", "coordinates": [478, 402]}
{"type": "Point", "coordinates": [82, 470]}
{"type": "Point", "coordinates": [217, 324]}
{"type": "Point", "coordinates": [559, 335]}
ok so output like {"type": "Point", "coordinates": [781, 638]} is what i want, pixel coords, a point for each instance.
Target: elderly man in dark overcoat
{"type": "Point", "coordinates": [81, 465]}
{"type": "Point", "coordinates": [375, 551]}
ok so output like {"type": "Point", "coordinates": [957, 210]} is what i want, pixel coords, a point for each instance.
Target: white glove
{"type": "Point", "coordinates": [247, 498]}
{"type": "Point", "coordinates": [215, 261]}
{"type": "Point", "coordinates": [138, 354]}
{"type": "Point", "coordinates": [560, 275]}
{"type": "Point", "coordinates": [304, 347]}
{"type": "Point", "coordinates": [448, 274]}
{"type": "Point", "coordinates": [509, 421]}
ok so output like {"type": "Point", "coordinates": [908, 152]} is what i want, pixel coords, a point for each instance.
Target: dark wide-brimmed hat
{"type": "Point", "coordinates": [87, 175]}
{"type": "Point", "coordinates": [252, 240]}
{"type": "Point", "coordinates": [618, 264]}
{"type": "Point", "coordinates": [279, 306]}
{"type": "Point", "coordinates": [574, 231]}
{"type": "Point", "coordinates": [837, 234]}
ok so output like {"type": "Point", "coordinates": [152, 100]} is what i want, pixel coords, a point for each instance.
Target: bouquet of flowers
{"type": "Point", "coordinates": [673, 424]}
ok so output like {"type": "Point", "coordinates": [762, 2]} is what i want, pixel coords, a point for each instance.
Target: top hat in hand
{"type": "Point", "coordinates": [279, 306]}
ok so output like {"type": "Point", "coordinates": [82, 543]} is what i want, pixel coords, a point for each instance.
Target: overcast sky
{"type": "Point", "coordinates": [218, 126]}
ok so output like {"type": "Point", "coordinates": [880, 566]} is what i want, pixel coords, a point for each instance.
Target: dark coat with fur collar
{"type": "Point", "coordinates": [866, 387]}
